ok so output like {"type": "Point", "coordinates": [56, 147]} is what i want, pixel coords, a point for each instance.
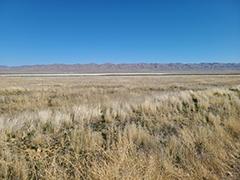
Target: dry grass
{"type": "Point", "coordinates": [120, 128]}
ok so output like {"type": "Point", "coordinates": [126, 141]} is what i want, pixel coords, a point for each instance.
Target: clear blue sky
{"type": "Point", "coordinates": [119, 31]}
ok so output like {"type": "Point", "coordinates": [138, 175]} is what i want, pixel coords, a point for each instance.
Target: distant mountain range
{"type": "Point", "coordinates": [126, 68]}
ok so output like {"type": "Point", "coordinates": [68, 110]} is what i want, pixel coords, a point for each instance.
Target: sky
{"type": "Point", "coordinates": [119, 31]}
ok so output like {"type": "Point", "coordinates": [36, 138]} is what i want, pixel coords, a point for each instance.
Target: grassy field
{"type": "Point", "coordinates": [180, 127]}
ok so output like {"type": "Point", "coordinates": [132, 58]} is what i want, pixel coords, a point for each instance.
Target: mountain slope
{"type": "Point", "coordinates": [141, 67]}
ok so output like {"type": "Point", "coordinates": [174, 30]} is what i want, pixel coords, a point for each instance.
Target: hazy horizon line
{"type": "Point", "coordinates": [131, 63]}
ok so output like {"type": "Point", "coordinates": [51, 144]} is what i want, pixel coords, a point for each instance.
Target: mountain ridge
{"type": "Point", "coordinates": [125, 68]}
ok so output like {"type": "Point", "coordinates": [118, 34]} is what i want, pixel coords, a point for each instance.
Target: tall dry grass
{"type": "Point", "coordinates": [123, 131]}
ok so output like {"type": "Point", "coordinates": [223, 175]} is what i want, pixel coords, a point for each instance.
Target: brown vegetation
{"type": "Point", "coordinates": [120, 128]}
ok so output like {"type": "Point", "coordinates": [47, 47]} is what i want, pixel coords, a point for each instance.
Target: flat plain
{"type": "Point", "coordinates": [120, 127]}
